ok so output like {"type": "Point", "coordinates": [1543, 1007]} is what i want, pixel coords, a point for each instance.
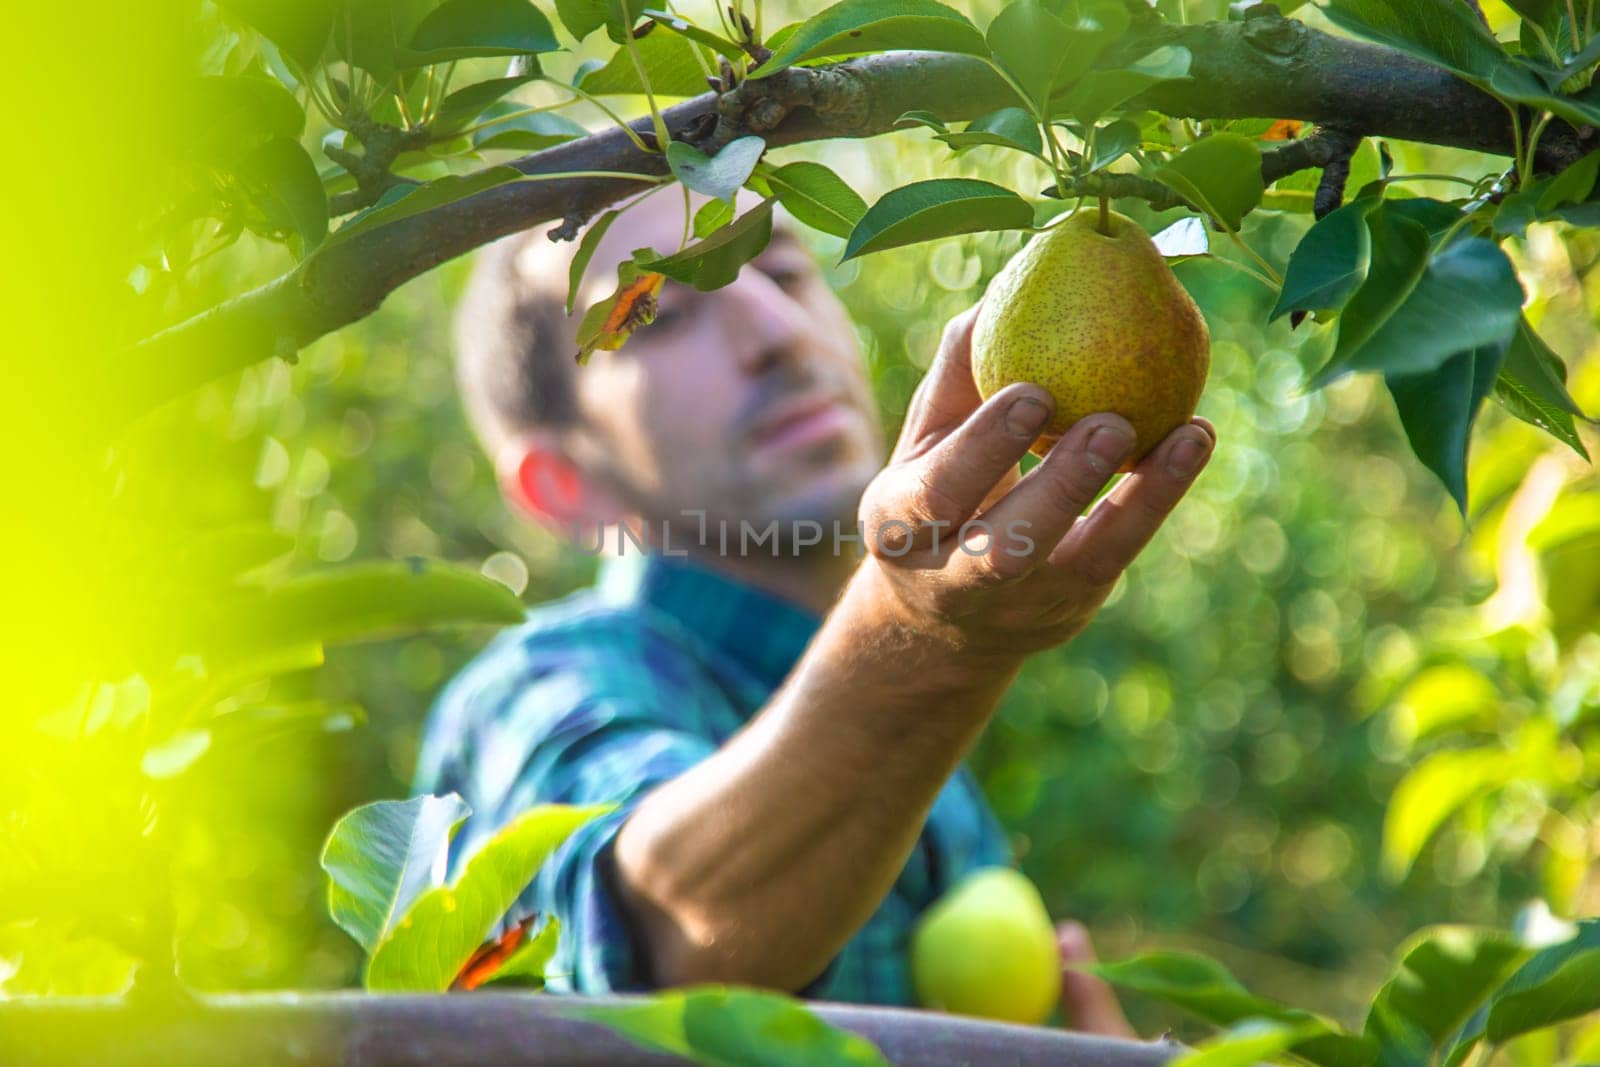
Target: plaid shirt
{"type": "Point", "coordinates": [615, 690]}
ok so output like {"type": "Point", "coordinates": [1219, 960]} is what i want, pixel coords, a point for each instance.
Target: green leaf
{"type": "Point", "coordinates": [439, 932]}
{"type": "Point", "coordinates": [1548, 198]}
{"type": "Point", "coordinates": [715, 261]}
{"type": "Point", "coordinates": [1047, 54]}
{"type": "Point", "coordinates": [1220, 175]}
{"type": "Point", "coordinates": [1448, 696]}
{"type": "Point", "coordinates": [1446, 33]}
{"type": "Point", "coordinates": [1194, 983]}
{"type": "Point", "coordinates": [581, 17]}
{"type": "Point", "coordinates": [712, 216]}
{"type": "Point", "coordinates": [940, 207]}
{"type": "Point", "coordinates": [1582, 60]}
{"type": "Point", "coordinates": [256, 724]}
{"type": "Point", "coordinates": [1532, 386]}
{"type": "Point", "coordinates": [1571, 185]}
{"type": "Point", "coordinates": [817, 197]}
{"type": "Point", "coordinates": [233, 114]}
{"type": "Point", "coordinates": [223, 555]}
{"type": "Point", "coordinates": [504, 128]}
{"type": "Point", "coordinates": [725, 1027]}
{"type": "Point", "coordinates": [1467, 295]}
{"type": "Point", "coordinates": [1206, 989]}
{"type": "Point", "coordinates": [1534, 10]}
{"type": "Point", "coordinates": [1113, 141]}
{"type": "Point", "coordinates": [719, 176]}
{"type": "Point", "coordinates": [1437, 409]}
{"type": "Point", "coordinates": [283, 184]}
{"type": "Point", "coordinates": [175, 755]}
{"type": "Point", "coordinates": [299, 28]}
{"type": "Point", "coordinates": [1575, 517]}
{"type": "Point", "coordinates": [1100, 91]}
{"type": "Point", "coordinates": [635, 294]}
{"type": "Point", "coordinates": [461, 107]}
{"type": "Point", "coordinates": [1010, 127]}
{"type": "Point", "coordinates": [374, 34]}
{"type": "Point", "coordinates": [1430, 793]}
{"type": "Point", "coordinates": [1443, 975]}
{"type": "Point", "coordinates": [1559, 983]}
{"type": "Point", "coordinates": [876, 25]}
{"type": "Point", "coordinates": [462, 29]}
{"type": "Point", "coordinates": [230, 674]}
{"type": "Point", "coordinates": [672, 63]}
{"type": "Point", "coordinates": [366, 601]}
{"type": "Point", "coordinates": [1033, 45]}
{"type": "Point", "coordinates": [1514, 81]}
{"type": "Point", "coordinates": [382, 856]}
{"type": "Point", "coordinates": [1330, 262]}
{"type": "Point", "coordinates": [1434, 216]}
{"type": "Point", "coordinates": [1398, 254]}
{"type": "Point", "coordinates": [1569, 585]}
{"type": "Point", "coordinates": [526, 966]}
{"type": "Point", "coordinates": [1517, 212]}
{"type": "Point", "coordinates": [580, 260]}
{"type": "Point", "coordinates": [1252, 1042]}
{"type": "Point", "coordinates": [923, 118]}
{"type": "Point", "coordinates": [622, 16]}
{"type": "Point", "coordinates": [676, 24]}
{"type": "Point", "coordinates": [404, 202]}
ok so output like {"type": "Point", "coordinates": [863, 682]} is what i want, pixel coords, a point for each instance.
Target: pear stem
{"type": "Point", "coordinates": [1105, 217]}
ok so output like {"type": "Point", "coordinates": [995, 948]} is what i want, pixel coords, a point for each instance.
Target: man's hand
{"type": "Point", "coordinates": [1032, 569]}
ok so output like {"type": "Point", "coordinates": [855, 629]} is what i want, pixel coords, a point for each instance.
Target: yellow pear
{"type": "Point", "coordinates": [1098, 319]}
{"type": "Point", "coordinates": [988, 948]}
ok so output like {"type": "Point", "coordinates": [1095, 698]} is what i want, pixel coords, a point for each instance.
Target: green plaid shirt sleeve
{"type": "Point", "coordinates": [604, 696]}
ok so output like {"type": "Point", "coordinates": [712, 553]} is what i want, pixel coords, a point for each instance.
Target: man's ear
{"type": "Point", "coordinates": [542, 481]}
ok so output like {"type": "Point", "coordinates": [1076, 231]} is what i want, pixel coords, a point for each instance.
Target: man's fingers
{"type": "Point", "coordinates": [1049, 498]}
{"type": "Point", "coordinates": [933, 495]}
{"type": "Point", "coordinates": [1087, 1003]}
{"type": "Point", "coordinates": [947, 393]}
{"type": "Point", "coordinates": [1101, 546]}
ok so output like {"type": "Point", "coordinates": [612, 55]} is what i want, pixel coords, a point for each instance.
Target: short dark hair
{"type": "Point", "coordinates": [514, 345]}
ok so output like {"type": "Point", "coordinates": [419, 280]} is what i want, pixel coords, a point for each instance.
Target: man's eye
{"type": "Point", "coordinates": [787, 280]}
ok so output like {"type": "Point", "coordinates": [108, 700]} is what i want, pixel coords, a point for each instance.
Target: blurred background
{"type": "Point", "coordinates": [1211, 766]}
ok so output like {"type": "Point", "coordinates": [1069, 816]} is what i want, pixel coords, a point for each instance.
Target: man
{"type": "Point", "coordinates": [781, 724]}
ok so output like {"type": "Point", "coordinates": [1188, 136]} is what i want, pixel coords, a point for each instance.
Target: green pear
{"type": "Point", "coordinates": [988, 948]}
{"type": "Point", "coordinates": [1096, 317]}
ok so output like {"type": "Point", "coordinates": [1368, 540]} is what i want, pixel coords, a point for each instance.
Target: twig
{"type": "Point", "coordinates": [1324, 147]}
{"type": "Point", "coordinates": [1120, 186]}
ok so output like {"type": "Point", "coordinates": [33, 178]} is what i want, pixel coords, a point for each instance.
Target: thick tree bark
{"type": "Point", "coordinates": [511, 1029]}
{"type": "Point", "coordinates": [1266, 66]}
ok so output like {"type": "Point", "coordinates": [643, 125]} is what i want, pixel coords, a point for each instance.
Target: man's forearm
{"type": "Point", "coordinates": [760, 863]}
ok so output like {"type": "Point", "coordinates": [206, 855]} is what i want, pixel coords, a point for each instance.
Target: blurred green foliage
{"type": "Point", "coordinates": [1209, 766]}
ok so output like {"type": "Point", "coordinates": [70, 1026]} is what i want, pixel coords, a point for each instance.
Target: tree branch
{"type": "Point", "coordinates": [1264, 67]}
{"type": "Point", "coordinates": [512, 1029]}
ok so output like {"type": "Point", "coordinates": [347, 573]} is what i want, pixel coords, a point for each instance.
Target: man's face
{"type": "Point", "coordinates": [749, 402]}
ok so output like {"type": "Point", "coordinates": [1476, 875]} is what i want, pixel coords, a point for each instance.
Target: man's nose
{"type": "Point", "coordinates": [762, 324]}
